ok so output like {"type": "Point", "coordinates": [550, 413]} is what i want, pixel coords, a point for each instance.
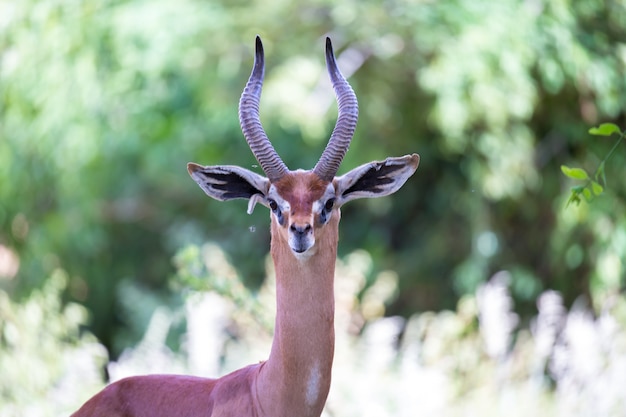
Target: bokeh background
{"type": "Point", "coordinates": [473, 290]}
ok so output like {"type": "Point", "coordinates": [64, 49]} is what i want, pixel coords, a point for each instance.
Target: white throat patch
{"type": "Point", "coordinates": [313, 385]}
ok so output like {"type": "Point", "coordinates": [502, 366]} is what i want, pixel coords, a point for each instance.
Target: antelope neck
{"type": "Point", "coordinates": [298, 371]}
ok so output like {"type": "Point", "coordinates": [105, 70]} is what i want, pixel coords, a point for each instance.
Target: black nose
{"type": "Point", "coordinates": [300, 230]}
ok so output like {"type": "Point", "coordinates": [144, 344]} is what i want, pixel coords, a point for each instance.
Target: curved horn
{"type": "Point", "coordinates": [333, 154]}
{"type": "Point", "coordinates": [250, 121]}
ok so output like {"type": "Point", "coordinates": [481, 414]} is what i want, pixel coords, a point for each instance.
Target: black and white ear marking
{"type": "Point", "coordinates": [228, 182]}
{"type": "Point", "coordinates": [376, 179]}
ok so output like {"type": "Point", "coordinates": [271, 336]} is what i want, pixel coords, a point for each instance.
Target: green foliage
{"type": "Point", "coordinates": [48, 364]}
{"type": "Point", "coordinates": [102, 104]}
{"type": "Point", "coordinates": [207, 269]}
{"type": "Point", "coordinates": [593, 188]}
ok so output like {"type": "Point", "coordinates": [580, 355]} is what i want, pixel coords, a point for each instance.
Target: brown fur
{"type": "Point", "coordinates": [301, 189]}
{"type": "Point", "coordinates": [160, 395]}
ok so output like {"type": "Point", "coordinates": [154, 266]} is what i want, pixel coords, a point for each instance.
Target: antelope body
{"type": "Point", "coordinates": [305, 213]}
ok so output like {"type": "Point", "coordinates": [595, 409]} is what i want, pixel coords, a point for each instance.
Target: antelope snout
{"type": "Point", "coordinates": [300, 230]}
{"type": "Point", "coordinates": [301, 237]}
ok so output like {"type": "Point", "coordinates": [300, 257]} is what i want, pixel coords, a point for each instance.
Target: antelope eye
{"type": "Point", "coordinates": [273, 205]}
{"type": "Point", "coordinates": [329, 204]}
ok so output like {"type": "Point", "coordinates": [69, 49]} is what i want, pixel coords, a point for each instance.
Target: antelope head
{"type": "Point", "coordinates": [302, 202]}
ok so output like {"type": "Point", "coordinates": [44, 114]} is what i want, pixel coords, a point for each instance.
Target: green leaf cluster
{"type": "Point", "coordinates": [592, 188]}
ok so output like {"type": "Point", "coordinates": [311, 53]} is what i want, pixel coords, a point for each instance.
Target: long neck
{"type": "Point", "coordinates": [296, 378]}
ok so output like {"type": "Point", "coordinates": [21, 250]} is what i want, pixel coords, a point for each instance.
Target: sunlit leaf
{"type": "Point", "coordinates": [605, 129]}
{"type": "Point", "coordinates": [587, 194]}
{"type": "Point", "coordinates": [575, 173]}
{"type": "Point", "coordinates": [596, 188]}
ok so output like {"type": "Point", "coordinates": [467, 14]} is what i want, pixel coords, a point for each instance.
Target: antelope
{"type": "Point", "coordinates": [305, 212]}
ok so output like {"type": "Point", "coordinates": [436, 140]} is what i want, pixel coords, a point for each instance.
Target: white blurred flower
{"type": "Point", "coordinates": [151, 355]}
{"type": "Point", "coordinates": [546, 327]}
{"type": "Point", "coordinates": [207, 318]}
{"type": "Point", "coordinates": [589, 365]}
{"type": "Point", "coordinates": [497, 321]}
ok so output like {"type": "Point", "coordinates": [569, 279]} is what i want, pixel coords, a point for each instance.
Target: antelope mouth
{"type": "Point", "coordinates": [300, 245]}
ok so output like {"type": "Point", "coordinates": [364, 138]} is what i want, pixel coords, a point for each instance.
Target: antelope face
{"type": "Point", "coordinates": [301, 202]}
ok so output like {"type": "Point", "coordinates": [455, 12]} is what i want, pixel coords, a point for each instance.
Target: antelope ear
{"type": "Point", "coordinates": [376, 179]}
{"type": "Point", "coordinates": [227, 182]}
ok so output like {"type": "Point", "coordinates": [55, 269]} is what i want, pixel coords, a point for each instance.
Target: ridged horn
{"type": "Point", "coordinates": [333, 154]}
{"type": "Point", "coordinates": [250, 120]}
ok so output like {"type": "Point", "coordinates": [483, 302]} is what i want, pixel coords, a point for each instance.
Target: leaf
{"type": "Point", "coordinates": [596, 188]}
{"type": "Point", "coordinates": [575, 173]}
{"type": "Point", "coordinates": [605, 129]}
{"type": "Point", "coordinates": [587, 194]}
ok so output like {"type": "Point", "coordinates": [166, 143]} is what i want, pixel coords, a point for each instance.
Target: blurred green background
{"type": "Point", "coordinates": [102, 104]}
